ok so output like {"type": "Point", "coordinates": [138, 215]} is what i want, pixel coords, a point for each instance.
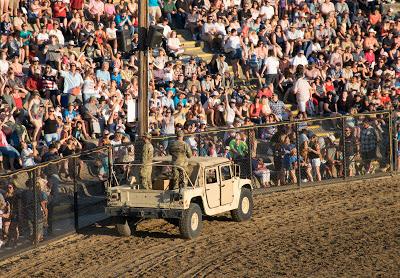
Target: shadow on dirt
{"type": "Point", "coordinates": [222, 218]}
{"type": "Point", "coordinates": [144, 234]}
{"type": "Point", "coordinates": [107, 227]}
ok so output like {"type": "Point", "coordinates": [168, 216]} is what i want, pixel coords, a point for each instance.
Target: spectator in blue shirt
{"type": "Point", "coordinates": [180, 98]}
{"type": "Point", "coordinates": [116, 76]}
{"type": "Point", "coordinates": [171, 88]}
{"type": "Point", "coordinates": [70, 114]}
{"type": "Point", "coordinates": [122, 20]}
{"type": "Point", "coordinates": [103, 74]}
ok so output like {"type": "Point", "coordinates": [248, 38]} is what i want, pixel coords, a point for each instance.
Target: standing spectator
{"type": "Point", "coordinates": [368, 145]}
{"type": "Point", "coordinates": [73, 82]}
{"type": "Point", "coordinates": [302, 90]}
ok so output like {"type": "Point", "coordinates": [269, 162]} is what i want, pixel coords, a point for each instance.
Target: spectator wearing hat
{"type": "Point", "coordinates": [370, 42]}
{"type": "Point", "coordinates": [299, 59]}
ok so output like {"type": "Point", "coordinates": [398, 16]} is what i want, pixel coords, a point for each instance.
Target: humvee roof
{"type": "Point", "coordinates": [196, 160]}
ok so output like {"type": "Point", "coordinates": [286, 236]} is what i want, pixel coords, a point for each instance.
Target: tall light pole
{"type": "Point", "coordinates": [143, 68]}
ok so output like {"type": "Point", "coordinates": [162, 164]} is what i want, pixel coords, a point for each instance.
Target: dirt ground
{"type": "Point", "coordinates": [340, 230]}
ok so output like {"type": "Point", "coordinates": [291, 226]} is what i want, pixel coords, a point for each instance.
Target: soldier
{"type": "Point", "coordinates": [147, 158]}
{"type": "Point", "coordinates": [180, 152]}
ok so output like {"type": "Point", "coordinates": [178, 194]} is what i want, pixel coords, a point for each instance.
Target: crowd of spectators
{"type": "Point", "coordinates": [66, 83]}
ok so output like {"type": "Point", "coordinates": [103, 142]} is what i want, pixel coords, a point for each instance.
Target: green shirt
{"type": "Point", "coordinates": [169, 6]}
{"type": "Point", "coordinates": [239, 149]}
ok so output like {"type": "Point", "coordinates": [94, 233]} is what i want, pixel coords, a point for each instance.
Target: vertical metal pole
{"type": "Point", "coordinates": [391, 141]}
{"type": "Point", "coordinates": [249, 133]}
{"type": "Point", "coordinates": [298, 155]}
{"type": "Point", "coordinates": [344, 147]}
{"type": "Point", "coordinates": [76, 208]}
{"type": "Point", "coordinates": [110, 165]}
{"type": "Point", "coordinates": [199, 143]}
{"type": "Point", "coordinates": [143, 68]}
{"type": "Point", "coordinates": [36, 207]}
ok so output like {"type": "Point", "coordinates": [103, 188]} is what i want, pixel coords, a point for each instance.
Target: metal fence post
{"type": "Point", "coordinates": [110, 163]}
{"type": "Point", "coordinates": [35, 208]}
{"type": "Point", "coordinates": [199, 144]}
{"type": "Point", "coordinates": [76, 207]}
{"type": "Point", "coordinates": [298, 155]}
{"type": "Point", "coordinates": [391, 154]}
{"type": "Point", "coordinates": [344, 147]}
{"type": "Point", "coordinates": [250, 151]}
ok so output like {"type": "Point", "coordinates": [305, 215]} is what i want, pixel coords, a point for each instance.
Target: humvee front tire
{"type": "Point", "coordinates": [190, 224]}
{"type": "Point", "coordinates": [245, 208]}
{"type": "Point", "coordinates": [125, 228]}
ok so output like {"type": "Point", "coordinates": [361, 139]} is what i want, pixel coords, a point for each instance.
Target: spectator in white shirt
{"type": "Point", "coordinates": [233, 47]}
{"type": "Point", "coordinates": [267, 11]}
{"type": "Point", "coordinates": [302, 90]}
{"type": "Point", "coordinates": [299, 59]}
{"type": "Point", "coordinates": [271, 68]}
{"type": "Point", "coordinates": [210, 34]}
{"type": "Point", "coordinates": [327, 7]}
{"type": "Point", "coordinates": [167, 29]}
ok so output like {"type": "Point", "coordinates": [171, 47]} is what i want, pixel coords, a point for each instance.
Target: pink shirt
{"type": "Point", "coordinates": [109, 9]}
{"type": "Point", "coordinates": [370, 57]}
{"type": "Point", "coordinates": [3, 139]}
{"type": "Point", "coordinates": [96, 7]}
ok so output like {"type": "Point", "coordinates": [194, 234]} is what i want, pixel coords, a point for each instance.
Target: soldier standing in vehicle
{"type": "Point", "coordinates": [180, 152]}
{"type": "Point", "coordinates": [147, 160]}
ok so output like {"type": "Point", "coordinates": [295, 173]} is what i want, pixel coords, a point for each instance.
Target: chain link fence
{"type": "Point", "coordinates": [52, 199]}
{"type": "Point", "coordinates": [65, 195]}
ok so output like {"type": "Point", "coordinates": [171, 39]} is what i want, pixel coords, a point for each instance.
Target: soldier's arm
{"type": "Point", "coordinates": [188, 151]}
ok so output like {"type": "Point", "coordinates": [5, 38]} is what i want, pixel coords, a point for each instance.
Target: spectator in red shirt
{"type": "Point", "coordinates": [77, 5]}
{"type": "Point", "coordinates": [266, 91]}
{"type": "Point", "coordinates": [60, 12]}
{"type": "Point", "coordinates": [255, 110]}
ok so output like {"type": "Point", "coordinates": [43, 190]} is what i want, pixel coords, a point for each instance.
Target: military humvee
{"type": "Point", "coordinates": [214, 186]}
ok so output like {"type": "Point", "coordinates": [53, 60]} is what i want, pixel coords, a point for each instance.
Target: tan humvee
{"type": "Point", "coordinates": [214, 186]}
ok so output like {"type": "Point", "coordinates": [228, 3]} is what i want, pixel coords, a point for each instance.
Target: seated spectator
{"type": "Point", "coordinates": [95, 9]}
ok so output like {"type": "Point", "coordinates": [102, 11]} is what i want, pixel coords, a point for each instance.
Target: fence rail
{"type": "Point", "coordinates": [67, 194]}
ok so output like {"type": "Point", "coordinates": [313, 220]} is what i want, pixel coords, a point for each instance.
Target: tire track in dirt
{"type": "Point", "coordinates": [289, 231]}
{"type": "Point", "coordinates": [163, 256]}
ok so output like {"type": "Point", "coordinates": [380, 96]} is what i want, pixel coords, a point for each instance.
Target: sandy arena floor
{"type": "Point", "coordinates": [332, 231]}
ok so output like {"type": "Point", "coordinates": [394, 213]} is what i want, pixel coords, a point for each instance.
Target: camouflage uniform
{"type": "Point", "coordinates": [147, 160]}
{"type": "Point", "coordinates": [180, 152]}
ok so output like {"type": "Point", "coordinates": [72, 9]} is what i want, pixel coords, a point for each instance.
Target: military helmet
{"type": "Point", "coordinates": [147, 135]}
{"type": "Point", "coordinates": [179, 133]}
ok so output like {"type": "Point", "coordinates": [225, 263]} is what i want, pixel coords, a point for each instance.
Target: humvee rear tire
{"type": "Point", "coordinates": [126, 228]}
{"type": "Point", "coordinates": [190, 224]}
{"type": "Point", "coordinates": [245, 208]}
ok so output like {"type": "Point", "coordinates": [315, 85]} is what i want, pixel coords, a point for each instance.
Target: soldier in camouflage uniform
{"type": "Point", "coordinates": [180, 152]}
{"type": "Point", "coordinates": [147, 160]}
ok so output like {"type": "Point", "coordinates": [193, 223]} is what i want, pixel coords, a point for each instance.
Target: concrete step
{"type": "Point", "coordinates": [188, 44]}
{"type": "Point", "coordinates": [192, 49]}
